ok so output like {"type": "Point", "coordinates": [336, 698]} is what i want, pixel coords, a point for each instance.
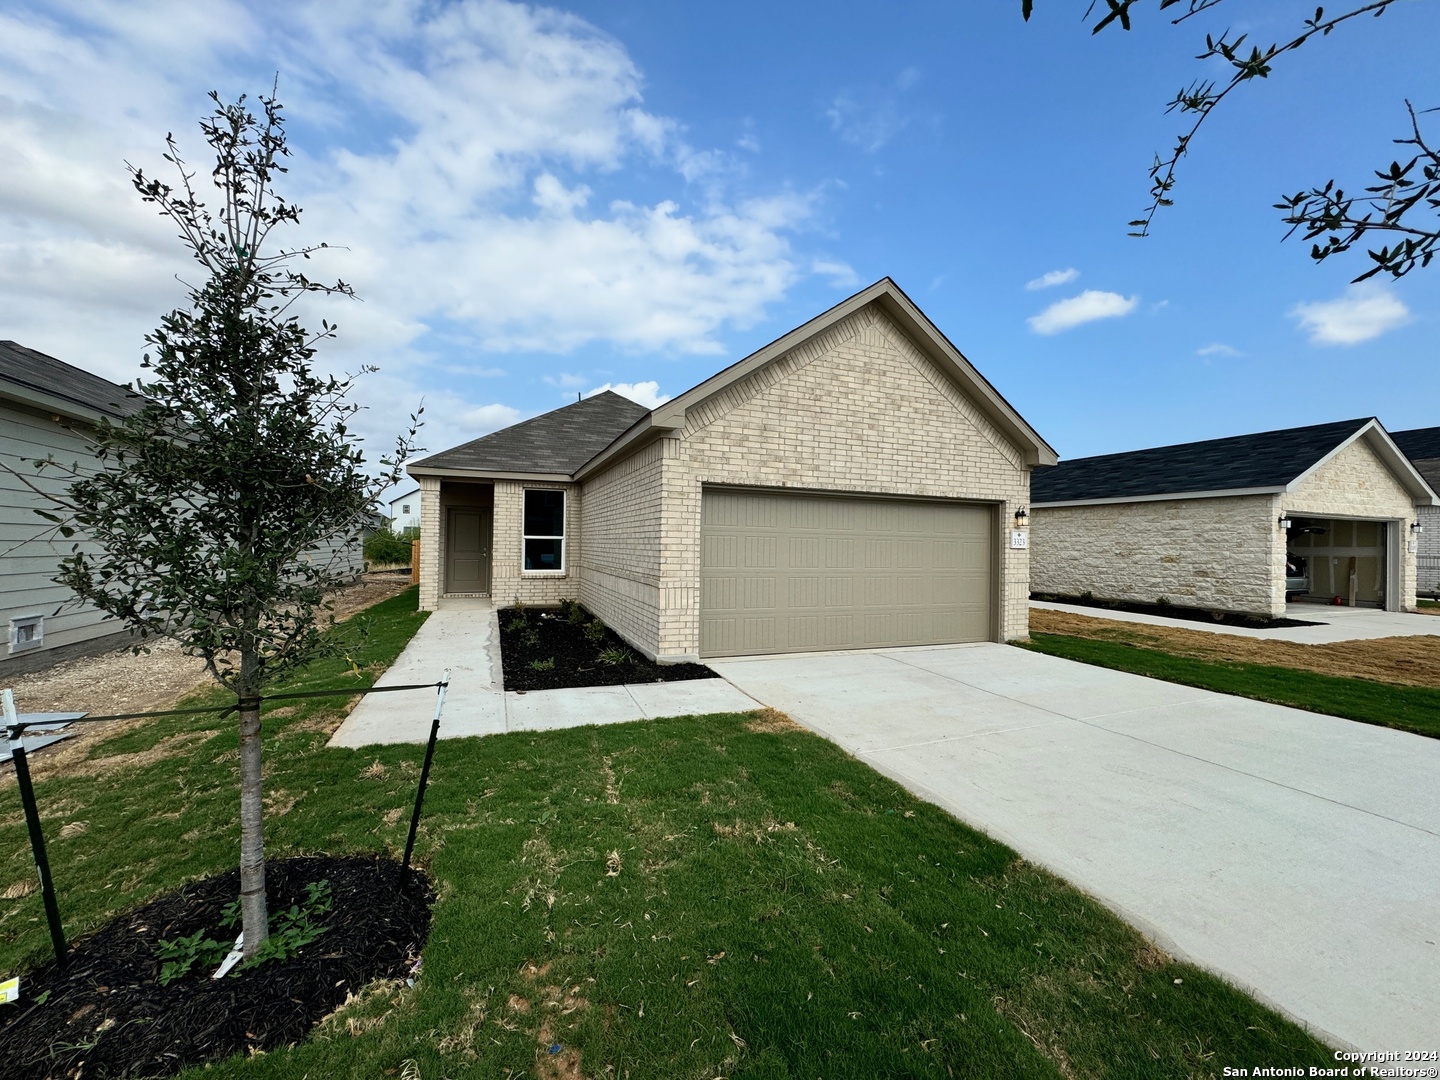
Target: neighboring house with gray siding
{"type": "Point", "coordinates": [1422, 447]}
{"type": "Point", "coordinates": [1243, 524]}
{"type": "Point", "coordinates": [46, 407]}
{"type": "Point", "coordinates": [852, 484]}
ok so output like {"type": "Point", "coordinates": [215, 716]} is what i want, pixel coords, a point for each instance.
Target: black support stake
{"type": "Point", "coordinates": [425, 770]}
{"type": "Point", "coordinates": [37, 844]}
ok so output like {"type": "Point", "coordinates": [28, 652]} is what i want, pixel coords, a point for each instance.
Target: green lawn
{"type": "Point", "coordinates": [696, 897]}
{"type": "Point", "coordinates": [1409, 708]}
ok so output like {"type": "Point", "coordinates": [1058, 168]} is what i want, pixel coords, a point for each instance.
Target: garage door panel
{"type": "Point", "coordinates": [782, 572]}
{"type": "Point", "coordinates": [805, 552]}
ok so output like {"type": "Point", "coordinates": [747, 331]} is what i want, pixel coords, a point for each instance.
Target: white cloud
{"type": "Point", "coordinates": [642, 393]}
{"type": "Point", "coordinates": [1365, 311]}
{"type": "Point", "coordinates": [566, 381]}
{"type": "Point", "coordinates": [1090, 305]}
{"type": "Point", "coordinates": [871, 118]}
{"type": "Point", "coordinates": [484, 419]}
{"type": "Point", "coordinates": [1054, 277]}
{"type": "Point", "coordinates": [841, 274]}
{"type": "Point", "coordinates": [1218, 348]}
{"type": "Point", "coordinates": [452, 153]}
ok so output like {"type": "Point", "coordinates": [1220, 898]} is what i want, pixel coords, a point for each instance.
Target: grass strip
{"type": "Point", "coordinates": [1408, 708]}
{"type": "Point", "coordinates": [724, 895]}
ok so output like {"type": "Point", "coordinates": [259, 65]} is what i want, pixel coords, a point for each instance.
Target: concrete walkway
{"type": "Point", "coordinates": [464, 636]}
{"type": "Point", "coordinates": [1334, 623]}
{"type": "Point", "coordinates": [1296, 854]}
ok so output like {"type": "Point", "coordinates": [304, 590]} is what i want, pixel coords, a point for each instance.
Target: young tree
{"type": "Point", "coordinates": [1402, 206]}
{"type": "Point", "coordinates": [200, 506]}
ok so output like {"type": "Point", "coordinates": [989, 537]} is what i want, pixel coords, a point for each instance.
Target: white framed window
{"type": "Point", "coordinates": [543, 531]}
{"type": "Point", "coordinates": [27, 632]}
{"type": "Point", "coordinates": [405, 508]}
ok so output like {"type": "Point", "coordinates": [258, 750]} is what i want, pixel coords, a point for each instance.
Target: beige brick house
{"type": "Point", "coordinates": [1243, 524]}
{"type": "Point", "coordinates": [853, 484]}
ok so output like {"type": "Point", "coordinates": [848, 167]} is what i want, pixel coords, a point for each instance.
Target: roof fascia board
{"type": "Point", "coordinates": [948, 358]}
{"type": "Point", "coordinates": [48, 403]}
{"type": "Point", "coordinates": [640, 434]}
{"type": "Point", "coordinates": [418, 471]}
{"type": "Point", "coordinates": [1165, 497]}
{"type": "Point", "coordinates": [1390, 454]}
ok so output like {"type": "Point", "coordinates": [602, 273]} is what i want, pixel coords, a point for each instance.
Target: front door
{"type": "Point", "coordinates": [467, 555]}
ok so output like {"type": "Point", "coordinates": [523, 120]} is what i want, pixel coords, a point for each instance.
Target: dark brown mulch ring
{"type": "Point", "coordinates": [107, 1014]}
{"type": "Point", "coordinates": [549, 635]}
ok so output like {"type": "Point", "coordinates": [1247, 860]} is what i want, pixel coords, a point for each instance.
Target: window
{"type": "Point", "coordinates": [544, 530]}
{"type": "Point", "coordinates": [27, 632]}
{"type": "Point", "coordinates": [405, 508]}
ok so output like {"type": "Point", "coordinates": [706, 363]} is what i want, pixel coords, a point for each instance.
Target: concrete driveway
{"type": "Point", "coordinates": [1296, 854]}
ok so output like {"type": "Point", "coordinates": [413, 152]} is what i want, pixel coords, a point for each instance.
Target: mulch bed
{"type": "Point", "coordinates": [1175, 611]}
{"type": "Point", "coordinates": [107, 1014]}
{"type": "Point", "coordinates": [530, 635]}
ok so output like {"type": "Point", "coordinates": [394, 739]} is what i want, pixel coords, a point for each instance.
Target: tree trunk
{"type": "Point", "coordinates": [253, 910]}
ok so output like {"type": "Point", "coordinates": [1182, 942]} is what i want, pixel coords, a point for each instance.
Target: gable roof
{"type": "Point", "coordinates": [574, 441]}
{"type": "Point", "coordinates": [1268, 462]}
{"type": "Point", "coordinates": [889, 297]}
{"type": "Point", "coordinates": [553, 445]}
{"type": "Point", "coordinates": [45, 383]}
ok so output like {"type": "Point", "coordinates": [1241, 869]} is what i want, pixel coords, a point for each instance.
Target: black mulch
{"type": "Point", "coordinates": [107, 1014]}
{"type": "Point", "coordinates": [1176, 611]}
{"type": "Point", "coordinates": [547, 634]}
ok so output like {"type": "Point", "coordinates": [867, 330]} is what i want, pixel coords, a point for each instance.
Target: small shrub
{"type": "Point", "coordinates": [385, 547]}
{"type": "Point", "coordinates": [1087, 596]}
{"type": "Point", "coordinates": [595, 631]}
{"type": "Point", "coordinates": [1162, 601]}
{"type": "Point", "coordinates": [615, 655]}
{"type": "Point", "coordinates": [516, 622]}
{"type": "Point", "coordinates": [574, 613]}
{"type": "Point", "coordinates": [548, 664]}
{"type": "Point", "coordinates": [530, 636]}
{"type": "Point", "coordinates": [290, 931]}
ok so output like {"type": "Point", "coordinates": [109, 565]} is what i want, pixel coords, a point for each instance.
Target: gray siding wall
{"type": "Point", "coordinates": [27, 563]}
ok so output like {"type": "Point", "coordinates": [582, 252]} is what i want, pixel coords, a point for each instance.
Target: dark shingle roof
{"type": "Point", "coordinates": [1269, 459]}
{"type": "Point", "coordinates": [1419, 444]}
{"type": "Point", "coordinates": [44, 374]}
{"type": "Point", "coordinates": [554, 442]}
{"type": "Point", "coordinates": [1422, 447]}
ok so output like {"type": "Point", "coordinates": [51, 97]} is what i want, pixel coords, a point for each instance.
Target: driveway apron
{"type": "Point", "coordinates": [1297, 855]}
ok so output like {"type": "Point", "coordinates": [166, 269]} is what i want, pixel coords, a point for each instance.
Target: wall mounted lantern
{"type": "Point", "coordinates": [1022, 518]}
{"type": "Point", "coordinates": [1416, 527]}
{"type": "Point", "coordinates": [1285, 522]}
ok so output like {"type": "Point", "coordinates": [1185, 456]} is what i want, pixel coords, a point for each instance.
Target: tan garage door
{"type": "Point", "coordinates": [781, 572]}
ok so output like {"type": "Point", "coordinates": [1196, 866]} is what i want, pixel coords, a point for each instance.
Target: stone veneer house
{"type": "Point", "coordinates": [1238, 524]}
{"type": "Point", "coordinates": [1422, 447]}
{"type": "Point", "coordinates": [852, 484]}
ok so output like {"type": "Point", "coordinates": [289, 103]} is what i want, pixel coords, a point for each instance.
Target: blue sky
{"type": "Point", "coordinates": [536, 202]}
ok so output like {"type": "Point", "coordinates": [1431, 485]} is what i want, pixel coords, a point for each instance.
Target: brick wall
{"type": "Point", "coordinates": [1206, 553]}
{"type": "Point", "coordinates": [508, 581]}
{"type": "Point", "coordinates": [857, 409]}
{"type": "Point", "coordinates": [620, 571]}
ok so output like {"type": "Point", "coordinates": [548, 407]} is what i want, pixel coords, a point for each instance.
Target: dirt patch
{"type": "Point", "coordinates": [1405, 661]}
{"type": "Point", "coordinates": [770, 721]}
{"type": "Point", "coordinates": [121, 682]}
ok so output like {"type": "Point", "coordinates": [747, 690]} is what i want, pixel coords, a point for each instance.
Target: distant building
{"type": "Point", "coordinates": [50, 407]}
{"type": "Point", "coordinates": [405, 512]}
{"type": "Point", "coordinates": [1422, 447]}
